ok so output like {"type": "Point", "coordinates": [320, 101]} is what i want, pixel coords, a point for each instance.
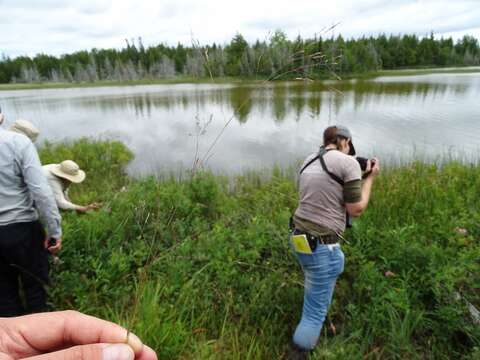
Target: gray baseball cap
{"type": "Point", "coordinates": [344, 132]}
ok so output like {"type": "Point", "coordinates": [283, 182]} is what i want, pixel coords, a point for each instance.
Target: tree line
{"type": "Point", "coordinates": [275, 58]}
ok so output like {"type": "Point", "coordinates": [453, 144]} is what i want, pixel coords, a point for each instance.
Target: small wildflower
{"type": "Point", "coordinates": [461, 231]}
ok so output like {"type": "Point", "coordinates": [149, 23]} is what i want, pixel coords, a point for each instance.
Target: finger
{"type": "Point", "coordinates": [369, 165]}
{"type": "Point", "coordinates": [147, 354]}
{"type": "Point", "coordinates": [90, 352]}
{"type": "Point", "coordinates": [55, 249]}
{"type": "Point", "coordinates": [56, 330]}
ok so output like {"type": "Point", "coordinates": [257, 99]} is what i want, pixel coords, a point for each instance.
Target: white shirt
{"type": "Point", "coordinates": [60, 191]}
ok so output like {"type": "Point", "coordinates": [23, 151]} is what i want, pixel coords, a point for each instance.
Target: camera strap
{"type": "Point", "coordinates": [319, 156]}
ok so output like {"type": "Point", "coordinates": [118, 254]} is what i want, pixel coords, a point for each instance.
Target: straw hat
{"type": "Point", "coordinates": [26, 128]}
{"type": "Point", "coordinates": [69, 170]}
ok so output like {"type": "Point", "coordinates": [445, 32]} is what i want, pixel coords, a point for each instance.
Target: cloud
{"type": "Point", "coordinates": [59, 26]}
{"type": "Point", "coordinates": [273, 24]}
{"type": "Point", "coordinates": [43, 5]}
{"type": "Point", "coordinates": [94, 7]}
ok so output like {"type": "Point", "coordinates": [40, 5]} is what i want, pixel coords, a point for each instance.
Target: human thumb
{"type": "Point", "coordinates": [90, 352]}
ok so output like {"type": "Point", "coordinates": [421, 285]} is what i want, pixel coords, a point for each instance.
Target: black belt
{"type": "Point", "coordinates": [313, 241]}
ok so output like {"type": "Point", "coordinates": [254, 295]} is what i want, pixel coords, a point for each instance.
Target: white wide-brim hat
{"type": "Point", "coordinates": [69, 170]}
{"type": "Point", "coordinates": [26, 128]}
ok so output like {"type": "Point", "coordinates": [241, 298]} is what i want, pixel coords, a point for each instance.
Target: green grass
{"type": "Point", "coordinates": [200, 268]}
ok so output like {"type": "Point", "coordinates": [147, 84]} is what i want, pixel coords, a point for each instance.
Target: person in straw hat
{"type": "Point", "coordinates": [60, 176]}
{"type": "Point", "coordinates": [26, 128]}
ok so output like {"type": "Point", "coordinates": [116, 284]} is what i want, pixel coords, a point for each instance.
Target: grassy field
{"type": "Point", "coordinates": [183, 80]}
{"type": "Point", "coordinates": [200, 268]}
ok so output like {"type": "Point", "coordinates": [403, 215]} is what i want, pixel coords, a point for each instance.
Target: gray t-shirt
{"type": "Point", "coordinates": [321, 197]}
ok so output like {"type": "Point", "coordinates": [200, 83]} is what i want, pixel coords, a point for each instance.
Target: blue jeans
{"type": "Point", "coordinates": [321, 269]}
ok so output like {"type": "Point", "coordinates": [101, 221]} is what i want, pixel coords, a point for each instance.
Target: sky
{"type": "Point", "coordinates": [29, 27]}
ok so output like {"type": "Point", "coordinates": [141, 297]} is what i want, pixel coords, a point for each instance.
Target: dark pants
{"type": "Point", "coordinates": [23, 263]}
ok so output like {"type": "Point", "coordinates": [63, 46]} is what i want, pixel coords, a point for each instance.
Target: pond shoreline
{"type": "Point", "coordinates": [269, 124]}
{"type": "Point", "coordinates": [223, 80]}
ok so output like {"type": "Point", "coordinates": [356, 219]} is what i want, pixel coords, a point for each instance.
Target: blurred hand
{"type": "Point", "coordinates": [376, 166]}
{"type": "Point", "coordinates": [68, 335]}
{"type": "Point", "coordinates": [94, 206]}
{"type": "Point", "coordinates": [87, 208]}
{"type": "Point", "coordinates": [55, 248]}
{"type": "Point", "coordinates": [82, 209]}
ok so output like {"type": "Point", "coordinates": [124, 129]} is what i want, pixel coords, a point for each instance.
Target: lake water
{"type": "Point", "coordinates": [261, 125]}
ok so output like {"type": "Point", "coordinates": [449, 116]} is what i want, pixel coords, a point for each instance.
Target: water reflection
{"type": "Point", "coordinates": [274, 123]}
{"type": "Point", "coordinates": [241, 102]}
{"type": "Point", "coordinates": [282, 97]}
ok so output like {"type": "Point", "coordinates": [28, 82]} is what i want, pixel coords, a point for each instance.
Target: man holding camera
{"type": "Point", "coordinates": [331, 189]}
{"type": "Point", "coordinates": [23, 244]}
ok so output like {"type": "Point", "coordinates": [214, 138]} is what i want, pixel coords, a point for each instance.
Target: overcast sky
{"type": "Point", "coordinates": [28, 27]}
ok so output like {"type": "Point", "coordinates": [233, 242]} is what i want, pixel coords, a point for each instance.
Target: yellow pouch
{"type": "Point", "coordinates": [300, 244]}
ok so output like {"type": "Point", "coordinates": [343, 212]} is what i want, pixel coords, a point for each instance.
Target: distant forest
{"type": "Point", "coordinates": [276, 58]}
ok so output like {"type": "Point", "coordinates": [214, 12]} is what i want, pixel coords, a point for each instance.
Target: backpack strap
{"type": "Point", "coordinates": [332, 175]}
{"type": "Point", "coordinates": [308, 164]}
{"type": "Point", "coordinates": [320, 155]}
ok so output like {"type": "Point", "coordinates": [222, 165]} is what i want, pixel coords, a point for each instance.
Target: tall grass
{"type": "Point", "coordinates": [200, 268]}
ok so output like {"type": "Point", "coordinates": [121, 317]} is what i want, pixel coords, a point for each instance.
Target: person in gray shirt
{"type": "Point", "coordinates": [330, 186]}
{"type": "Point", "coordinates": [25, 197]}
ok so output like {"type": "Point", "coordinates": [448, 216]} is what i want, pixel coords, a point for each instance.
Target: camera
{"type": "Point", "coordinates": [363, 165]}
{"type": "Point", "coordinates": [52, 242]}
{"type": "Point", "coordinates": [364, 162]}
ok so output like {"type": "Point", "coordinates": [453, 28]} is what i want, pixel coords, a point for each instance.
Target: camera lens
{"type": "Point", "coordinates": [363, 162]}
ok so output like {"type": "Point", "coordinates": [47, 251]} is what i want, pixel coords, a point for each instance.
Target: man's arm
{"type": "Point", "coordinates": [40, 190]}
{"type": "Point", "coordinates": [61, 196]}
{"type": "Point", "coordinates": [66, 204]}
{"type": "Point", "coordinates": [356, 209]}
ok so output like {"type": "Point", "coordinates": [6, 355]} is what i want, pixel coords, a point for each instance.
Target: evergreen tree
{"type": "Point", "coordinates": [276, 58]}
